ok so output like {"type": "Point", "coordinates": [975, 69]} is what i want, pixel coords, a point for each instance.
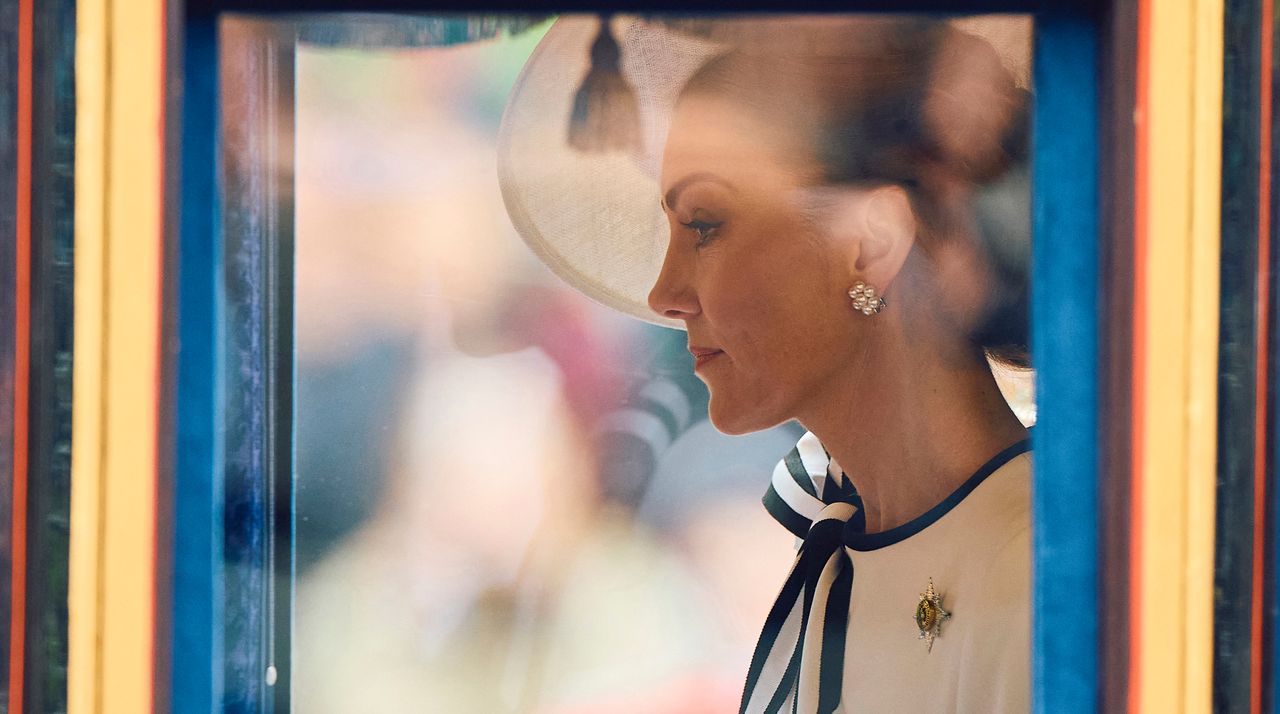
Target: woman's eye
{"type": "Point", "coordinates": [705, 229]}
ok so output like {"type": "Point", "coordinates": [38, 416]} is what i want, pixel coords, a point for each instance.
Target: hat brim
{"type": "Point", "coordinates": [594, 218]}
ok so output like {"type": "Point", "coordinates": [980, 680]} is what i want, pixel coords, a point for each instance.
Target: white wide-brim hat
{"type": "Point", "coordinates": [593, 216]}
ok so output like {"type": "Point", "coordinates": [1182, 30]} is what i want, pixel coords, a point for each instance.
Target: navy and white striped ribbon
{"type": "Point", "coordinates": [633, 438]}
{"type": "Point", "coordinates": [799, 659]}
{"type": "Point", "coordinates": [804, 634]}
{"type": "Point", "coordinates": [805, 482]}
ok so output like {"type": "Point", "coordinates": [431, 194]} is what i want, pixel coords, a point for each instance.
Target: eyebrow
{"type": "Point", "coordinates": [669, 201]}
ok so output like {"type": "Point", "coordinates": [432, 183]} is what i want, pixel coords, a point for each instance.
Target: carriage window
{"type": "Point", "coordinates": [500, 490]}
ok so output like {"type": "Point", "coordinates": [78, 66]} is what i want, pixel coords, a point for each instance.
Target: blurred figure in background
{"type": "Point", "coordinates": [476, 441]}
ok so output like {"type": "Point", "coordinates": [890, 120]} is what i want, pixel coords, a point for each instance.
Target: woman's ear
{"type": "Point", "coordinates": [880, 229]}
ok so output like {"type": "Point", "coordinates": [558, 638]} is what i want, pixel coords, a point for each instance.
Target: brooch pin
{"type": "Point", "coordinates": [930, 615]}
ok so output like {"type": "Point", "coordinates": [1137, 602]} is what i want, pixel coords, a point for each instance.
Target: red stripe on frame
{"type": "Point", "coordinates": [22, 359]}
{"type": "Point", "coordinates": [1141, 171]}
{"type": "Point", "coordinates": [1262, 310]}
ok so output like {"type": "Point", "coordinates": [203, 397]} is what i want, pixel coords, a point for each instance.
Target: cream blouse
{"type": "Point", "coordinates": [845, 632]}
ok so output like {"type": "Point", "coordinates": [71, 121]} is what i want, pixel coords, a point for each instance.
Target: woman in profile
{"type": "Point", "coordinates": [836, 219]}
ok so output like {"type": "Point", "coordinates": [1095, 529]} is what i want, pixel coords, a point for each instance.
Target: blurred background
{"type": "Point", "coordinates": [508, 497]}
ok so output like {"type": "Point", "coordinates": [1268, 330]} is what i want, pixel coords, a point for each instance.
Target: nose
{"type": "Point", "coordinates": [672, 295]}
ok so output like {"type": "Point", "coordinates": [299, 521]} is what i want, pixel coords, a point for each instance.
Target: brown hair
{"type": "Point", "coordinates": [908, 101]}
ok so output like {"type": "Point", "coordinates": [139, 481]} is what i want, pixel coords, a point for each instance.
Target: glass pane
{"type": "Point", "coordinates": [509, 497]}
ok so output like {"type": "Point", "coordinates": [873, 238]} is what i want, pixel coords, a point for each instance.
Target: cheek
{"type": "Point", "coordinates": [781, 320]}
{"type": "Point", "coordinates": [746, 304]}
{"type": "Point", "coordinates": [777, 312]}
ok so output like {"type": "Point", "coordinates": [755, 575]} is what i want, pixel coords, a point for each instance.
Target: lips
{"type": "Point", "coordinates": [702, 355]}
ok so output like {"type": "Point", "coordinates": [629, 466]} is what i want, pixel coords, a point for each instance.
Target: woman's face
{"type": "Point", "coordinates": [761, 289]}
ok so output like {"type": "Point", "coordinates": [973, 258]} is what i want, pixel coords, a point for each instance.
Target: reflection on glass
{"type": "Point", "coordinates": [509, 498]}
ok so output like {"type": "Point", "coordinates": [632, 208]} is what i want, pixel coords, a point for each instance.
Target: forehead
{"type": "Point", "coordinates": [713, 135]}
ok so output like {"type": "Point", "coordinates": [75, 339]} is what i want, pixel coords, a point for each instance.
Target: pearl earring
{"type": "Point", "coordinates": [865, 299]}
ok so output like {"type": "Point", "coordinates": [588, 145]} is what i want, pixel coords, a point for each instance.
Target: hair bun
{"type": "Point", "coordinates": [978, 107]}
{"type": "Point", "coordinates": [972, 108]}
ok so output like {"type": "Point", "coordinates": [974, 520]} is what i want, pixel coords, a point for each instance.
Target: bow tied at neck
{"type": "Point", "coordinates": [827, 531]}
{"type": "Point", "coordinates": [804, 635]}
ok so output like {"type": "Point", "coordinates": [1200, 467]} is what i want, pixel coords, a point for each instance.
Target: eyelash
{"type": "Point", "coordinates": [704, 229]}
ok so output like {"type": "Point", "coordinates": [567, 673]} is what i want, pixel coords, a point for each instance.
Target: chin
{"type": "Point", "coordinates": [735, 420]}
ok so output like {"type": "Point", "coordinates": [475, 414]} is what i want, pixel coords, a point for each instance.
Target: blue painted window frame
{"type": "Point", "coordinates": [1066, 310]}
{"type": "Point", "coordinates": [199, 487]}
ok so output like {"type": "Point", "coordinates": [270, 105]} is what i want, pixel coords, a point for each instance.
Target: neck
{"type": "Point", "coordinates": [910, 426]}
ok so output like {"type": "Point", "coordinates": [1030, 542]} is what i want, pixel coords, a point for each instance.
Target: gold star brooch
{"type": "Point", "coordinates": [930, 615]}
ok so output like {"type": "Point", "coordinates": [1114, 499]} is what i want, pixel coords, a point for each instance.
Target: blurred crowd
{"type": "Point", "coordinates": [508, 498]}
